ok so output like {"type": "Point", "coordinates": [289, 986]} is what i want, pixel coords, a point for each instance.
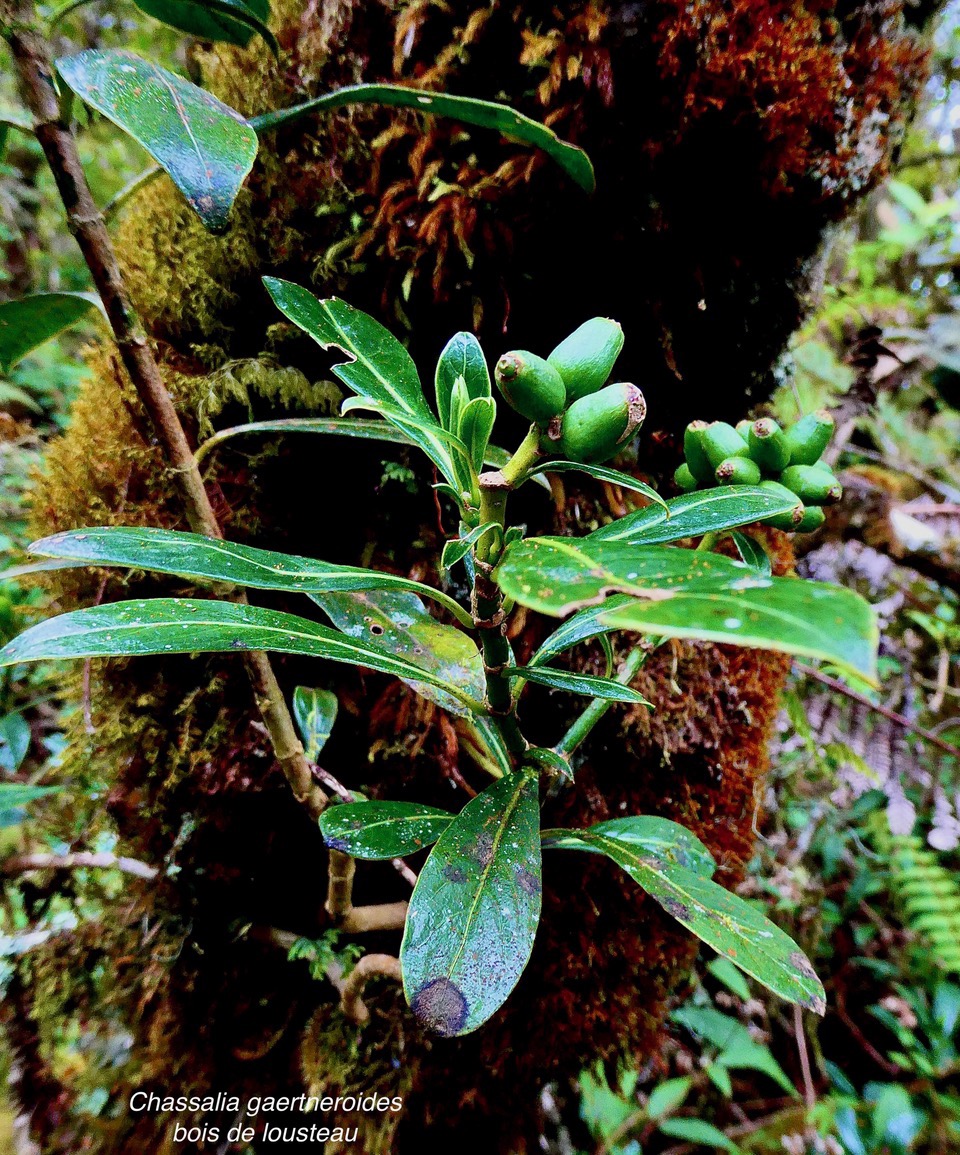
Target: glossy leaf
{"type": "Point", "coordinates": [685, 594]}
{"type": "Point", "coordinates": [574, 683]}
{"type": "Point", "coordinates": [30, 321]}
{"type": "Point", "coordinates": [189, 625]}
{"type": "Point", "coordinates": [476, 425]}
{"type": "Point", "coordinates": [315, 712]}
{"type": "Point", "coordinates": [399, 623]}
{"type": "Point", "coordinates": [232, 21]}
{"type": "Point", "coordinates": [446, 451]}
{"type": "Point", "coordinates": [458, 548]}
{"type": "Point", "coordinates": [193, 555]}
{"type": "Point", "coordinates": [752, 554]}
{"type": "Point", "coordinates": [582, 626]}
{"type": "Point", "coordinates": [207, 148]}
{"type": "Point", "coordinates": [15, 739]}
{"type": "Point", "coordinates": [486, 735]}
{"type": "Point", "coordinates": [482, 113]}
{"type": "Point", "coordinates": [600, 473]}
{"type": "Point", "coordinates": [461, 357]}
{"type": "Point", "coordinates": [474, 911]}
{"type": "Point", "coordinates": [379, 369]}
{"type": "Point", "coordinates": [672, 869]}
{"type": "Point", "coordinates": [693, 514]}
{"type": "Point", "coordinates": [544, 759]}
{"type": "Point", "coordinates": [382, 829]}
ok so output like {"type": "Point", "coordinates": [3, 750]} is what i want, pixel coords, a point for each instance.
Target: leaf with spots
{"type": "Point", "coordinates": [399, 623]}
{"type": "Point", "coordinates": [195, 556]}
{"type": "Point", "coordinates": [678, 593]}
{"type": "Point", "coordinates": [475, 909]}
{"type": "Point", "coordinates": [674, 868]}
{"type": "Point", "coordinates": [315, 712]}
{"type": "Point", "coordinates": [192, 626]}
{"type": "Point", "coordinates": [693, 514]}
{"type": "Point", "coordinates": [207, 148]}
{"type": "Point", "coordinates": [30, 321]}
{"type": "Point", "coordinates": [383, 829]}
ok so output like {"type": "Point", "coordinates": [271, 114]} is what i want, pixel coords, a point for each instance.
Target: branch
{"type": "Point", "coordinates": [82, 860]}
{"type": "Point", "coordinates": [899, 719]}
{"type": "Point", "coordinates": [55, 136]}
{"type": "Point", "coordinates": [340, 871]}
{"type": "Point", "coordinates": [370, 966]}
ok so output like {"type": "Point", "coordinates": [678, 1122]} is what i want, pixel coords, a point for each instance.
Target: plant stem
{"type": "Point", "coordinates": [708, 541]}
{"type": "Point", "coordinates": [489, 617]}
{"type": "Point", "coordinates": [34, 66]}
{"type": "Point", "coordinates": [599, 706]}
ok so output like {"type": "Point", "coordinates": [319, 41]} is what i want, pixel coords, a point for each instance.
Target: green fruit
{"type": "Point", "coordinates": [530, 385]}
{"type": "Point", "coordinates": [791, 519]}
{"type": "Point", "coordinates": [811, 484]}
{"type": "Point", "coordinates": [809, 437]}
{"type": "Point", "coordinates": [743, 428]}
{"type": "Point", "coordinates": [697, 461]}
{"type": "Point", "coordinates": [684, 478]}
{"type": "Point", "coordinates": [813, 518]}
{"type": "Point", "coordinates": [585, 358]}
{"type": "Point", "coordinates": [768, 445]}
{"type": "Point", "coordinates": [596, 426]}
{"type": "Point", "coordinates": [721, 441]}
{"type": "Point", "coordinates": [737, 471]}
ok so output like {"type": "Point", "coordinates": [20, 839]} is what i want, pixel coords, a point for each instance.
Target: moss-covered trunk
{"type": "Point", "coordinates": [727, 136]}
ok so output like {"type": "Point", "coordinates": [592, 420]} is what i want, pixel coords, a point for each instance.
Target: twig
{"type": "Point", "coordinates": [80, 860]}
{"type": "Point", "coordinates": [55, 136]}
{"type": "Point", "coordinates": [809, 1092]}
{"type": "Point", "coordinates": [899, 719]}
{"type": "Point", "coordinates": [376, 916]}
{"type": "Point", "coordinates": [370, 966]}
{"type": "Point", "coordinates": [340, 871]}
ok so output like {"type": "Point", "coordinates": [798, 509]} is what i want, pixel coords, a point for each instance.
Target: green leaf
{"type": "Point", "coordinates": [189, 626]}
{"type": "Point", "coordinates": [232, 21]}
{"type": "Point", "coordinates": [27, 323]}
{"type": "Point", "coordinates": [461, 357]}
{"type": "Point", "coordinates": [484, 114]}
{"type": "Point", "coordinates": [725, 972]}
{"type": "Point", "coordinates": [686, 594]}
{"type": "Point", "coordinates": [383, 829]}
{"type": "Point", "coordinates": [14, 796]}
{"type": "Point", "coordinates": [380, 370]}
{"type": "Point", "coordinates": [457, 548]}
{"type": "Point", "coordinates": [749, 1055]}
{"type": "Point", "coordinates": [600, 473]}
{"type": "Point", "coordinates": [474, 911]}
{"type": "Point", "coordinates": [752, 554]}
{"type": "Point", "coordinates": [734, 928]}
{"type": "Point", "coordinates": [315, 712]}
{"type": "Point", "coordinates": [669, 841]}
{"type": "Point", "coordinates": [448, 453]}
{"type": "Point", "coordinates": [580, 627]}
{"type": "Point", "coordinates": [698, 1131]}
{"type": "Point", "coordinates": [668, 1096]}
{"type": "Point", "coordinates": [15, 738]}
{"type": "Point", "coordinates": [543, 758]}
{"type": "Point", "coordinates": [206, 147]}
{"type": "Point", "coordinates": [195, 556]}
{"type": "Point", "coordinates": [694, 514]}
{"type": "Point", "coordinates": [606, 688]}
{"type": "Point", "coordinates": [363, 430]}
{"type": "Point", "coordinates": [400, 624]}
{"type": "Point", "coordinates": [476, 425]}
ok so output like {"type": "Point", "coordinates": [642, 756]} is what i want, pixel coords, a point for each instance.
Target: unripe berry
{"type": "Point", "coordinates": [768, 445]}
{"type": "Point", "coordinates": [585, 359]}
{"type": "Point", "coordinates": [596, 426]}
{"type": "Point", "coordinates": [700, 467]}
{"type": "Point", "coordinates": [684, 478]}
{"type": "Point", "coordinates": [530, 385]}
{"type": "Point", "coordinates": [737, 471]}
{"type": "Point", "coordinates": [721, 441]}
{"type": "Point", "coordinates": [809, 437]}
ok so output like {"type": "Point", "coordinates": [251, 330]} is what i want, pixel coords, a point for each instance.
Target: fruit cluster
{"type": "Point", "coordinates": [761, 453]}
{"type": "Point", "coordinates": [565, 393]}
